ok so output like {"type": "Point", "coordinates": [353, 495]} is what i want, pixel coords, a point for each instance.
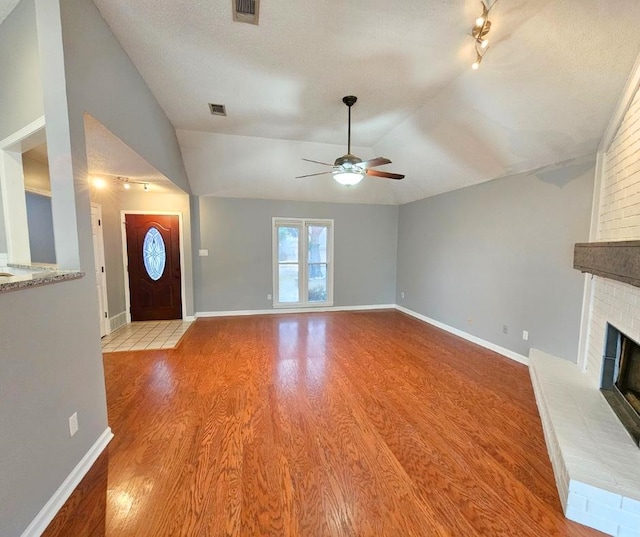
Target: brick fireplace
{"type": "Point", "coordinates": [621, 379]}
{"type": "Point", "coordinates": [596, 462]}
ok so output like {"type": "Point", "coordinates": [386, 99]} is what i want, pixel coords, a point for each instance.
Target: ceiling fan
{"type": "Point", "coordinates": [349, 170]}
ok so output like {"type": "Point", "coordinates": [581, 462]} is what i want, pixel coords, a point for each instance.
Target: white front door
{"type": "Point", "coordinates": [101, 280]}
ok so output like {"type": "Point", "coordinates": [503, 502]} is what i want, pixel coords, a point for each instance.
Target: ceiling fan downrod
{"type": "Point", "coordinates": [349, 100]}
{"type": "Point", "coordinates": [349, 169]}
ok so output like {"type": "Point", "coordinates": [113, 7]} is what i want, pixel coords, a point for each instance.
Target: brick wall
{"type": "Point", "coordinates": [595, 462]}
{"type": "Point", "coordinates": [619, 219]}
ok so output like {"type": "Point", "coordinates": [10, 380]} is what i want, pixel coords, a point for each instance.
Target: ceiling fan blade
{"type": "Point", "coordinates": [313, 174]}
{"type": "Point", "coordinates": [317, 162]}
{"type": "Point", "coordinates": [372, 163]}
{"type": "Point", "coordinates": [386, 175]}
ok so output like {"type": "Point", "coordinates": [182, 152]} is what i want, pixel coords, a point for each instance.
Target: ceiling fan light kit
{"type": "Point", "coordinates": [348, 178]}
{"type": "Point", "coordinates": [479, 33]}
{"type": "Point", "coordinates": [349, 170]}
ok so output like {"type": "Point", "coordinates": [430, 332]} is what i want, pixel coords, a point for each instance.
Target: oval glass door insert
{"type": "Point", "coordinates": [154, 254]}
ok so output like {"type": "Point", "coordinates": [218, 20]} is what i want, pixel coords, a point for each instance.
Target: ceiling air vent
{"type": "Point", "coordinates": [217, 109]}
{"type": "Point", "coordinates": [246, 10]}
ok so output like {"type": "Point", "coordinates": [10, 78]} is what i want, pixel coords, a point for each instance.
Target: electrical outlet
{"type": "Point", "coordinates": [402, 294]}
{"type": "Point", "coordinates": [525, 335]}
{"type": "Point", "coordinates": [470, 320]}
{"type": "Point", "coordinates": [269, 296]}
{"type": "Point", "coordinates": [505, 329]}
{"type": "Point", "coordinates": [73, 424]}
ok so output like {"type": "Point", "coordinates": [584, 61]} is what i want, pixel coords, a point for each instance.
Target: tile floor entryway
{"type": "Point", "coordinates": [145, 335]}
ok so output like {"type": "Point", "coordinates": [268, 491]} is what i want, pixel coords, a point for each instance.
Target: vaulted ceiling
{"type": "Point", "coordinates": [544, 93]}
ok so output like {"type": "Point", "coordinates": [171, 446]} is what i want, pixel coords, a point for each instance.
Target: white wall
{"type": "Point", "coordinates": [618, 217]}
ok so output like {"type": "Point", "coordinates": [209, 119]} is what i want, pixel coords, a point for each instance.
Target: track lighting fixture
{"type": "Point", "coordinates": [479, 34]}
{"type": "Point", "coordinates": [126, 183]}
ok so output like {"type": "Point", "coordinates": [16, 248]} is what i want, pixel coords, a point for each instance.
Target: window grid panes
{"type": "Point", "coordinates": [302, 262]}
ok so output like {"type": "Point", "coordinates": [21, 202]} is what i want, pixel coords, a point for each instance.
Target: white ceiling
{"type": "Point", "coordinates": [108, 157]}
{"type": "Point", "coordinates": [544, 93]}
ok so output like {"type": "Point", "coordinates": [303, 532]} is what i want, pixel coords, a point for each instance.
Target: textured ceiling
{"type": "Point", "coordinates": [544, 93]}
{"type": "Point", "coordinates": [109, 157]}
{"type": "Point", "coordinates": [283, 78]}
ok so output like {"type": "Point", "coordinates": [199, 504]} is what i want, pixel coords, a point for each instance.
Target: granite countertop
{"type": "Point", "coordinates": [23, 276]}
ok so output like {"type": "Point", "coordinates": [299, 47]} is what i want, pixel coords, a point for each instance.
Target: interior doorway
{"type": "Point", "coordinates": [101, 276]}
{"type": "Point", "coordinates": [153, 266]}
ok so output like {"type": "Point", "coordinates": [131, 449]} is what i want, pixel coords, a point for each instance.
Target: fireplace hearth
{"type": "Point", "coordinates": [621, 379]}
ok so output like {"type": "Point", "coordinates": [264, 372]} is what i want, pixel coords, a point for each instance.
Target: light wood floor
{"type": "Point", "coordinates": [336, 424]}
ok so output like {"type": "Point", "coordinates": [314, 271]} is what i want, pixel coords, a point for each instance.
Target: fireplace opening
{"type": "Point", "coordinates": [621, 379]}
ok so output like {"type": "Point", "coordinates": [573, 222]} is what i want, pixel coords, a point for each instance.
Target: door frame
{"type": "Point", "coordinates": [125, 258]}
{"type": "Point", "coordinates": [103, 274]}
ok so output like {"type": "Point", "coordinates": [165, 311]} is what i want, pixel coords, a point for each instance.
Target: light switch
{"type": "Point", "coordinates": [203, 253]}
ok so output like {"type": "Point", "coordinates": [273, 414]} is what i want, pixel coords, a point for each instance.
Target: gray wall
{"type": "Point", "coordinates": [103, 82]}
{"type": "Point", "coordinates": [237, 274]}
{"type": "Point", "coordinates": [113, 200]}
{"type": "Point", "coordinates": [39, 216]}
{"type": "Point", "coordinates": [50, 360]}
{"type": "Point", "coordinates": [40, 223]}
{"type": "Point", "coordinates": [21, 88]}
{"type": "Point", "coordinates": [501, 253]}
{"type": "Point", "coordinates": [3, 234]}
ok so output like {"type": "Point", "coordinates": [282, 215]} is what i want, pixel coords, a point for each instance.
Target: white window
{"type": "Point", "coordinates": [302, 262]}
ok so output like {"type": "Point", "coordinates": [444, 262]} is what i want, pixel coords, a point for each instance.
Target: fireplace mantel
{"type": "Point", "coordinates": [614, 260]}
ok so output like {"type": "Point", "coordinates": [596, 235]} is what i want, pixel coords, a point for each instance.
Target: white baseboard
{"type": "Point", "coordinates": [55, 503]}
{"type": "Point", "coordinates": [234, 313]}
{"type": "Point", "coordinates": [118, 321]}
{"type": "Point", "coordinates": [464, 335]}
{"type": "Point", "coordinates": [189, 318]}
{"type": "Point", "coordinates": [474, 339]}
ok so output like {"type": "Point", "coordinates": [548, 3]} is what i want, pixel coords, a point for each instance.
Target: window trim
{"type": "Point", "coordinates": [303, 223]}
